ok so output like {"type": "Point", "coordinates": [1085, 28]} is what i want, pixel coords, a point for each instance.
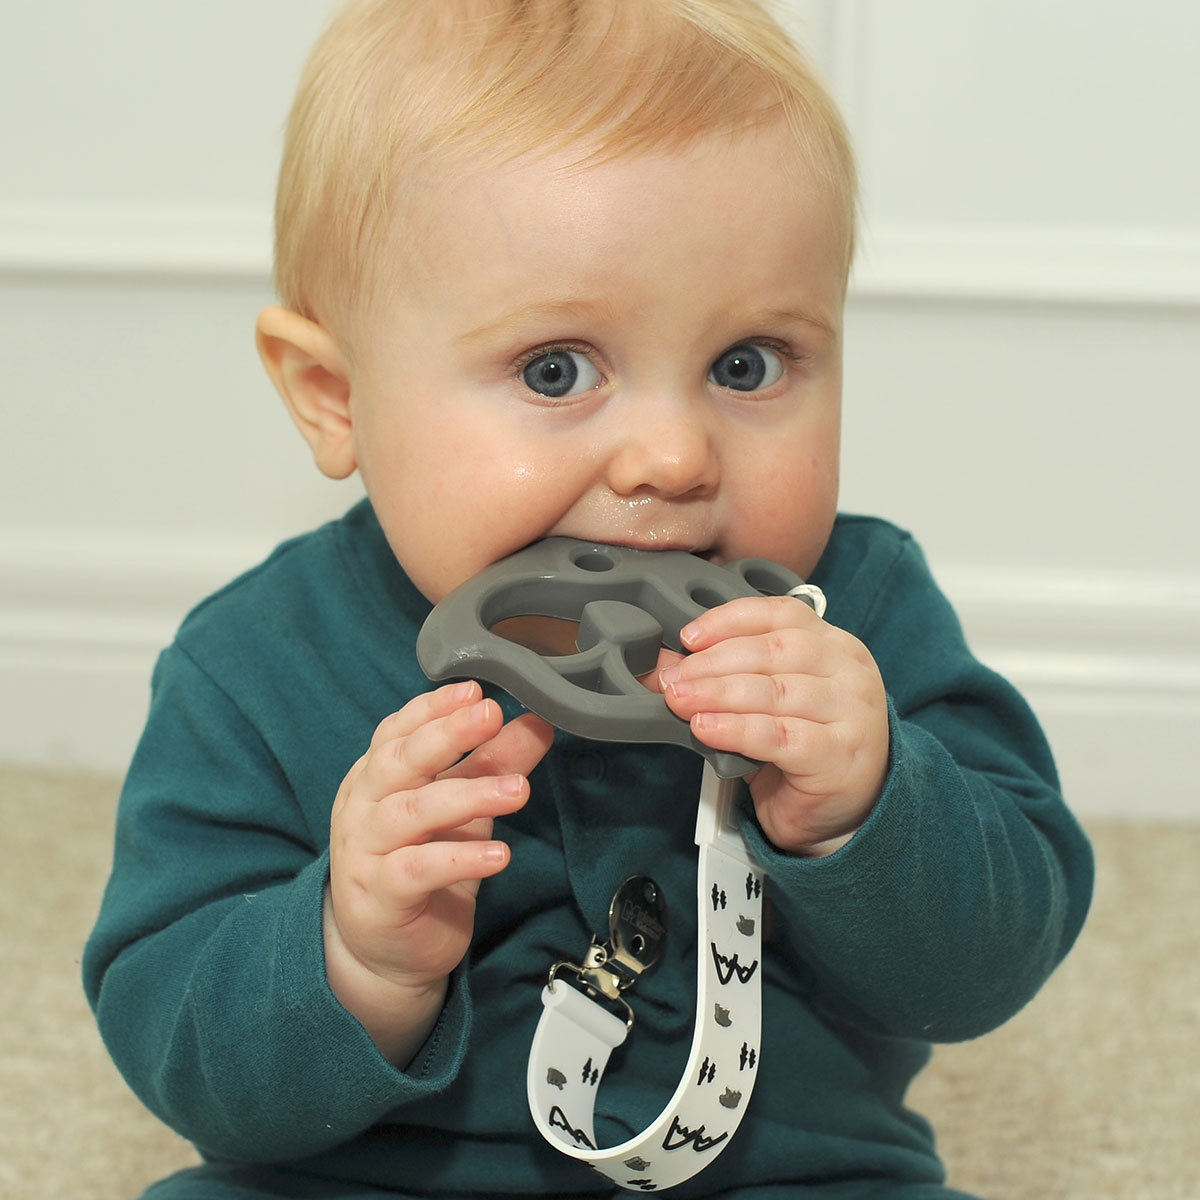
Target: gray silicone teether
{"type": "Point", "coordinates": [627, 603]}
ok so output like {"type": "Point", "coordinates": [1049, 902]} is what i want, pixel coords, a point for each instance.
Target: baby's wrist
{"type": "Point", "coordinates": [825, 847]}
{"type": "Point", "coordinates": [397, 1013]}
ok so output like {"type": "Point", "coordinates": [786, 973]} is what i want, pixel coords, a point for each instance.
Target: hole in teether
{"type": "Point", "coordinates": [706, 596]}
{"type": "Point", "coordinates": [637, 944]}
{"type": "Point", "coordinates": [552, 637]}
{"type": "Point", "coordinates": [593, 558]}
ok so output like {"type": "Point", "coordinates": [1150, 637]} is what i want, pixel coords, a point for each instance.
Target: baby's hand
{"type": "Point", "coordinates": [767, 678]}
{"type": "Point", "coordinates": [410, 840]}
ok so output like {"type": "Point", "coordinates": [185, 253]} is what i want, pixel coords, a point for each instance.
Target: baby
{"type": "Point", "coordinates": [561, 268]}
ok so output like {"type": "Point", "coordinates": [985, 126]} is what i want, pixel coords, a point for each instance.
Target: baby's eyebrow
{"type": "Point", "coordinates": [590, 310]}
{"type": "Point", "coordinates": [774, 317]}
{"type": "Point", "coordinates": [540, 313]}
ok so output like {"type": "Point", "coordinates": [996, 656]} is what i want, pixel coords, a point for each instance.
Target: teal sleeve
{"type": "Point", "coordinates": [970, 879]}
{"type": "Point", "coordinates": [206, 966]}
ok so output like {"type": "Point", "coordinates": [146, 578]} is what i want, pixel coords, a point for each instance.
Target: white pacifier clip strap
{"type": "Point", "coordinates": [576, 1035]}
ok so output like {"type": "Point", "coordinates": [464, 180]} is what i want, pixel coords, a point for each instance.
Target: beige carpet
{"type": "Point", "coordinates": [1093, 1092]}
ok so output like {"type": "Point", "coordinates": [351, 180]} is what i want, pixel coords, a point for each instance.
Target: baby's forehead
{"type": "Point", "coordinates": [542, 244]}
{"type": "Point", "coordinates": [509, 178]}
{"type": "Point", "coordinates": [429, 173]}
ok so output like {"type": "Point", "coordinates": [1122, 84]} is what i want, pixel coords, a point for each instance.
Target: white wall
{"type": "Point", "coordinates": [1023, 348]}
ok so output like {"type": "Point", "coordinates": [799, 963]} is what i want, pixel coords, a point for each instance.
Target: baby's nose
{"type": "Point", "coordinates": [667, 449]}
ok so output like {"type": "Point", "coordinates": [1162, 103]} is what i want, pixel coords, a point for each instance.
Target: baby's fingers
{"type": "Point", "coordinates": [748, 616]}
{"type": "Point", "coordinates": [792, 745]}
{"type": "Point", "coordinates": [516, 749]}
{"type": "Point", "coordinates": [774, 695]}
{"type": "Point", "coordinates": [450, 809]}
{"type": "Point", "coordinates": [666, 660]}
{"type": "Point", "coordinates": [404, 762]}
{"type": "Point", "coordinates": [420, 710]}
{"type": "Point", "coordinates": [417, 872]}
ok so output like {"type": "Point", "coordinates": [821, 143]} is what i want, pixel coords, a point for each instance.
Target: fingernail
{"type": "Point", "coordinates": [668, 676]}
{"type": "Point", "coordinates": [494, 852]}
{"type": "Point", "coordinates": [462, 692]}
{"type": "Point", "coordinates": [510, 785]}
{"type": "Point", "coordinates": [682, 688]}
{"type": "Point", "coordinates": [479, 711]}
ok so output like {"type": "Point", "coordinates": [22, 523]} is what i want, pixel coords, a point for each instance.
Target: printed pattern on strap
{"type": "Point", "coordinates": [576, 1036]}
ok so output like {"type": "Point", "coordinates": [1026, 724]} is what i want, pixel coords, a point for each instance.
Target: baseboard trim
{"type": "Point", "coordinates": [1112, 669]}
{"type": "Point", "coordinates": [82, 619]}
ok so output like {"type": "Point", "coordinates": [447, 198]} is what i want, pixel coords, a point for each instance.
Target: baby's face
{"type": "Point", "coordinates": [644, 352]}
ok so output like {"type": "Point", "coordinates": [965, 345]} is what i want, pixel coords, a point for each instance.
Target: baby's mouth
{"type": "Point", "coordinates": [655, 545]}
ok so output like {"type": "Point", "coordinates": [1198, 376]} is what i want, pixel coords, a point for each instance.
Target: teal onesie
{"type": "Point", "coordinates": [937, 922]}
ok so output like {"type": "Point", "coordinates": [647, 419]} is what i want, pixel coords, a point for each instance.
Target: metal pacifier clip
{"type": "Point", "coordinates": [628, 603]}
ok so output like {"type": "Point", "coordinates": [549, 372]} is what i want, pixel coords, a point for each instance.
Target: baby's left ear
{"type": "Point", "coordinates": [309, 371]}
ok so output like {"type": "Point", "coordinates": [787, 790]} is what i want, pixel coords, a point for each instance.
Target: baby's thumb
{"type": "Point", "coordinates": [666, 658]}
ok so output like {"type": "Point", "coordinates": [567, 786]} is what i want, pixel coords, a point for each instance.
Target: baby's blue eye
{"type": "Point", "coordinates": [559, 373]}
{"type": "Point", "coordinates": [746, 368]}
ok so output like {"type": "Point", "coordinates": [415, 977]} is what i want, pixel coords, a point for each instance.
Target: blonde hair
{"type": "Point", "coordinates": [396, 91]}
